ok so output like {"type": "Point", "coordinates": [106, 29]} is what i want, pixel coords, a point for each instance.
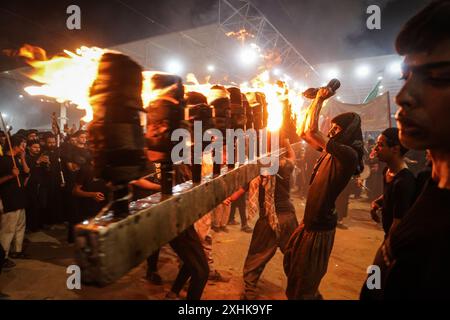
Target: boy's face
{"type": "Point", "coordinates": [82, 138]}
{"type": "Point", "coordinates": [423, 116]}
{"type": "Point", "coordinates": [382, 150]}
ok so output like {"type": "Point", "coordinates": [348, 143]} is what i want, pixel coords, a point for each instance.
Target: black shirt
{"type": "Point", "coordinates": [282, 186]}
{"type": "Point", "coordinates": [13, 196]}
{"type": "Point", "coordinates": [398, 196]}
{"type": "Point", "coordinates": [332, 173]}
{"type": "Point", "coordinates": [420, 250]}
{"type": "Point", "coordinates": [282, 199]}
{"type": "Point", "coordinates": [89, 183]}
{"type": "Point", "coordinates": [140, 193]}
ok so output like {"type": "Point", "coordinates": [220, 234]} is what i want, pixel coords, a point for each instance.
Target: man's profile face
{"type": "Point", "coordinates": [334, 130]}
{"type": "Point", "coordinates": [423, 116]}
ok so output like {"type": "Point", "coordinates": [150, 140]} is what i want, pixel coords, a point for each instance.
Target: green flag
{"type": "Point", "coordinates": [373, 93]}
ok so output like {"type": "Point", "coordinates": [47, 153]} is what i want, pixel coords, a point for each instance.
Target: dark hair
{"type": "Point", "coordinates": [426, 30]}
{"type": "Point", "coordinates": [32, 131]}
{"type": "Point", "coordinates": [21, 132]}
{"type": "Point", "coordinates": [2, 134]}
{"type": "Point", "coordinates": [392, 139]}
{"type": "Point", "coordinates": [34, 141]}
{"type": "Point", "coordinates": [78, 133]}
{"type": "Point", "coordinates": [48, 135]}
{"type": "Point", "coordinates": [17, 139]}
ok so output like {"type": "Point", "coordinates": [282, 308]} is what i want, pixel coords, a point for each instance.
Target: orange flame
{"type": "Point", "coordinates": [241, 35]}
{"type": "Point", "coordinates": [192, 84]}
{"type": "Point", "coordinates": [65, 78]}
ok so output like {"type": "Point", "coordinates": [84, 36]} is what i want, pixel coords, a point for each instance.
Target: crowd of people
{"type": "Point", "coordinates": [43, 184]}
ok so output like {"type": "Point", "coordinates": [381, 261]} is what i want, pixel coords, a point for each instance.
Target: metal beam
{"type": "Point", "coordinates": [108, 249]}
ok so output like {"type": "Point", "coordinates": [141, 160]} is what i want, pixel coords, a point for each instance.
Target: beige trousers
{"type": "Point", "coordinates": [12, 230]}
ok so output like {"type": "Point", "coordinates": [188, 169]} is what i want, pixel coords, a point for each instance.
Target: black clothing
{"type": "Point", "coordinates": [2, 257]}
{"type": "Point", "coordinates": [13, 196]}
{"type": "Point", "coordinates": [331, 174]}
{"type": "Point", "coordinates": [89, 183]}
{"type": "Point", "coordinates": [418, 251]}
{"type": "Point", "coordinates": [398, 196]}
{"type": "Point", "coordinates": [37, 199]}
{"type": "Point", "coordinates": [190, 250]}
{"type": "Point", "coordinates": [140, 193]}
{"type": "Point", "coordinates": [263, 247]}
{"type": "Point", "coordinates": [282, 188]}
{"type": "Point", "coordinates": [265, 241]}
{"type": "Point", "coordinates": [422, 178]}
{"type": "Point", "coordinates": [195, 265]}
{"type": "Point", "coordinates": [282, 191]}
{"type": "Point", "coordinates": [52, 186]}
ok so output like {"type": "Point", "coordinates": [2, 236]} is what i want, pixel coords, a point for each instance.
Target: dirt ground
{"type": "Point", "coordinates": [44, 276]}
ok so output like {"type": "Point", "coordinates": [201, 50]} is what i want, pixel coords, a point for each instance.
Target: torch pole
{"type": "Point", "coordinates": [10, 148]}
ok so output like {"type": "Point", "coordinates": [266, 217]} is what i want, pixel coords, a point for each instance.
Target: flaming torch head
{"type": "Point", "coordinates": [219, 98]}
{"type": "Point", "coordinates": [238, 112]}
{"type": "Point", "coordinates": [115, 134]}
{"type": "Point", "coordinates": [164, 114]}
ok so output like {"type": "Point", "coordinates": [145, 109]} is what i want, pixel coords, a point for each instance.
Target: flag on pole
{"type": "Point", "coordinates": [373, 93]}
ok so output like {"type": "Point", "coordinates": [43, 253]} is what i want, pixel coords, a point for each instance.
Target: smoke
{"type": "Point", "coordinates": [325, 31]}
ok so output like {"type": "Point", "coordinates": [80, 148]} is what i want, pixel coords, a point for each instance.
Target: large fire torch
{"type": "Point", "coordinates": [219, 98]}
{"type": "Point", "coordinates": [197, 109]}
{"type": "Point", "coordinates": [115, 134]}
{"type": "Point", "coordinates": [164, 115]}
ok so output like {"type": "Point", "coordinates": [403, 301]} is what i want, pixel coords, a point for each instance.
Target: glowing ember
{"type": "Point", "coordinates": [65, 78]}
{"type": "Point", "coordinates": [241, 35]}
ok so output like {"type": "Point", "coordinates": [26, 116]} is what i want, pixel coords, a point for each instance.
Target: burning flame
{"type": "Point", "coordinates": [65, 78]}
{"type": "Point", "coordinates": [241, 35]}
{"type": "Point", "coordinates": [192, 84]}
{"type": "Point", "coordinates": [278, 96]}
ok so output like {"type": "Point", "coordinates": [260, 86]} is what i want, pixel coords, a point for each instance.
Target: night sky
{"type": "Point", "coordinates": [322, 30]}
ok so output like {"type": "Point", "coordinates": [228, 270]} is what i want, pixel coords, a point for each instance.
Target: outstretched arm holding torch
{"type": "Point", "coordinates": [310, 127]}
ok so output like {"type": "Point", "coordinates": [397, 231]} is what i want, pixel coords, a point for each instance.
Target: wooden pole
{"type": "Point", "coordinates": [10, 148]}
{"type": "Point", "coordinates": [389, 109]}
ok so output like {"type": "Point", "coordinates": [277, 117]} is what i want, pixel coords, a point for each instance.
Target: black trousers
{"type": "Point", "coordinates": [2, 257]}
{"type": "Point", "coordinates": [195, 265]}
{"type": "Point", "coordinates": [240, 205]}
{"type": "Point", "coordinates": [263, 247]}
{"type": "Point", "coordinates": [152, 262]}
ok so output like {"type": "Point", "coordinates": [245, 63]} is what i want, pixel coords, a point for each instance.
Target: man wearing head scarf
{"type": "Point", "coordinates": [309, 248]}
